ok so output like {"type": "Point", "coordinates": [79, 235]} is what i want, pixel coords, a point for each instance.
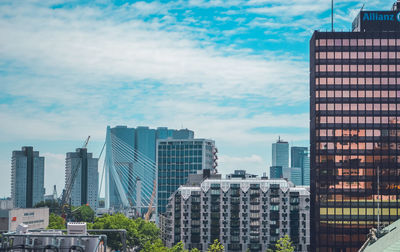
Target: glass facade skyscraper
{"type": "Point", "coordinates": [27, 178]}
{"type": "Point", "coordinates": [354, 131]}
{"type": "Point", "coordinates": [176, 159]}
{"type": "Point", "coordinates": [143, 141]}
{"type": "Point", "coordinates": [280, 154]}
{"type": "Point", "coordinates": [299, 159]}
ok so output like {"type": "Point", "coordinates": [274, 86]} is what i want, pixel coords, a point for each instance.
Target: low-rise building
{"type": "Point", "coordinates": [35, 218]}
{"type": "Point", "coordinates": [250, 213]}
{"type": "Point", "coordinates": [6, 203]}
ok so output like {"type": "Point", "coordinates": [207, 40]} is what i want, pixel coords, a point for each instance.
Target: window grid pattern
{"type": "Point", "coordinates": [354, 135]}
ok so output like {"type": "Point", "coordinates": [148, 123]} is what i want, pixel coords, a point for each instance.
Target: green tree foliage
{"type": "Point", "coordinates": [216, 247]}
{"type": "Point", "coordinates": [83, 213]}
{"type": "Point", "coordinates": [154, 247]}
{"type": "Point", "coordinates": [53, 205]}
{"type": "Point", "coordinates": [139, 231]}
{"type": "Point", "coordinates": [284, 244]}
{"type": "Point", "coordinates": [56, 222]}
{"type": "Point", "coordinates": [179, 247]}
{"type": "Point", "coordinates": [159, 247]}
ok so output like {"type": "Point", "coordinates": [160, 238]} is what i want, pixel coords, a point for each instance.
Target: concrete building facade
{"type": "Point", "coordinates": [85, 187]}
{"type": "Point", "coordinates": [243, 214]}
{"type": "Point", "coordinates": [35, 218]}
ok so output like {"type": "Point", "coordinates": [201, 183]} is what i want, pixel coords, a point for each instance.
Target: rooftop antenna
{"type": "Point", "coordinates": [332, 14]}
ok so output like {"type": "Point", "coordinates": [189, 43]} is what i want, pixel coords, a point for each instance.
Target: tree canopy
{"type": "Point", "coordinates": [56, 222]}
{"type": "Point", "coordinates": [139, 231]}
{"type": "Point", "coordinates": [216, 247]}
{"type": "Point", "coordinates": [284, 244]}
{"type": "Point", "coordinates": [53, 205]}
{"type": "Point", "coordinates": [83, 213]}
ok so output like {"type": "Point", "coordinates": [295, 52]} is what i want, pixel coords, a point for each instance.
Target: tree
{"type": "Point", "coordinates": [56, 222]}
{"type": "Point", "coordinates": [139, 231]}
{"type": "Point", "coordinates": [53, 205]}
{"type": "Point", "coordinates": [154, 247]}
{"type": "Point", "coordinates": [216, 247]}
{"type": "Point", "coordinates": [83, 213]}
{"type": "Point", "coordinates": [284, 244]}
{"type": "Point", "coordinates": [179, 247]}
{"type": "Point", "coordinates": [195, 250]}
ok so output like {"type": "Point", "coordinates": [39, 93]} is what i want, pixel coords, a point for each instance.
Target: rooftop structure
{"type": "Point", "coordinates": [385, 240]}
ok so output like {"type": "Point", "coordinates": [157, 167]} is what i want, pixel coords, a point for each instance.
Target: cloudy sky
{"type": "Point", "coordinates": [235, 71]}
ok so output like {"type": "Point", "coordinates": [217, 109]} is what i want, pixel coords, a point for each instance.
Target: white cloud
{"type": "Point", "coordinates": [71, 72]}
{"type": "Point", "coordinates": [251, 164]}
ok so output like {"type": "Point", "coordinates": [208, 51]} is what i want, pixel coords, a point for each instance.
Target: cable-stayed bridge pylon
{"type": "Point", "coordinates": [130, 176]}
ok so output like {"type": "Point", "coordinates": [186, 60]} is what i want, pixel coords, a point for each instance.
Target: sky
{"type": "Point", "coordinates": [235, 71]}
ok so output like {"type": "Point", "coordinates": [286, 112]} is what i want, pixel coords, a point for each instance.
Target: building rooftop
{"type": "Point", "coordinates": [384, 241]}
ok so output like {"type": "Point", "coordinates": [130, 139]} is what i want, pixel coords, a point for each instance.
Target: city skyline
{"type": "Point", "coordinates": [81, 67]}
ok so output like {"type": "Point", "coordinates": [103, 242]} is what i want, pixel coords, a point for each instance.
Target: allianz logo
{"type": "Point", "coordinates": [372, 16]}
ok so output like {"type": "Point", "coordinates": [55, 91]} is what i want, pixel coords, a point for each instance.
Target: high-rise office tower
{"type": "Point", "coordinates": [355, 104]}
{"type": "Point", "coordinates": [280, 154]}
{"type": "Point", "coordinates": [84, 168]}
{"type": "Point", "coordinates": [132, 151]}
{"type": "Point", "coordinates": [176, 159]}
{"type": "Point", "coordinates": [299, 159]}
{"type": "Point", "coordinates": [27, 178]}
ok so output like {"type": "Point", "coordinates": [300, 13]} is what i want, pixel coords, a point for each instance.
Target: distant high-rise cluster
{"type": "Point", "coordinates": [299, 170]}
{"type": "Point", "coordinates": [131, 174]}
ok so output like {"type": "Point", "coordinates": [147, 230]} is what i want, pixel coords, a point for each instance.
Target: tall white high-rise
{"type": "Point", "coordinates": [27, 178]}
{"type": "Point", "coordinates": [85, 185]}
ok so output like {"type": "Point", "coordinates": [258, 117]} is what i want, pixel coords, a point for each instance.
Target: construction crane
{"type": "Point", "coordinates": [153, 195]}
{"type": "Point", "coordinates": [86, 142]}
{"type": "Point", "coordinates": [70, 182]}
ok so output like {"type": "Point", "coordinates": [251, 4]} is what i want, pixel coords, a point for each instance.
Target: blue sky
{"type": "Point", "coordinates": [234, 71]}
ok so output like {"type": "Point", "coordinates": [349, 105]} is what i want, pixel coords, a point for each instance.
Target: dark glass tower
{"type": "Point", "coordinates": [354, 130]}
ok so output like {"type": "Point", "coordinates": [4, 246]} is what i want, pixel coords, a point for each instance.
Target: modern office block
{"type": "Point", "coordinates": [244, 215]}
{"type": "Point", "coordinates": [27, 178]}
{"type": "Point", "coordinates": [275, 172]}
{"type": "Point", "coordinates": [132, 153]}
{"type": "Point", "coordinates": [84, 168]}
{"type": "Point", "coordinates": [280, 153]}
{"type": "Point", "coordinates": [176, 159]}
{"type": "Point", "coordinates": [355, 104]}
{"type": "Point", "coordinates": [296, 176]}
{"type": "Point", "coordinates": [300, 159]}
